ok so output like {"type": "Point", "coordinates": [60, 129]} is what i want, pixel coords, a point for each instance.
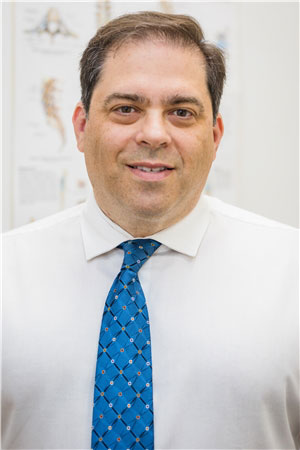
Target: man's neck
{"type": "Point", "coordinates": [138, 225]}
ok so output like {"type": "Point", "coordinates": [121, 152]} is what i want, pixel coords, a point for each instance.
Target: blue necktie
{"type": "Point", "coordinates": [123, 402]}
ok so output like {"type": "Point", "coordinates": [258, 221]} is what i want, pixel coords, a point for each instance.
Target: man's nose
{"type": "Point", "coordinates": [154, 131]}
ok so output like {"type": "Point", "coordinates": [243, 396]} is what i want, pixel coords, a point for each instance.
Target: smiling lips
{"type": "Point", "coordinates": [150, 171]}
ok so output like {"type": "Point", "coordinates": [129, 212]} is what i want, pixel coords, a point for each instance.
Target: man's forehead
{"type": "Point", "coordinates": [120, 48]}
{"type": "Point", "coordinates": [127, 53]}
{"type": "Point", "coordinates": [125, 74]}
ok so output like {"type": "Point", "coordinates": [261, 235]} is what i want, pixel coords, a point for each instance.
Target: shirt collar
{"type": "Point", "coordinates": [100, 234]}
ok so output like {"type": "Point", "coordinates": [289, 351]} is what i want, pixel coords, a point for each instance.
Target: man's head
{"type": "Point", "coordinates": [148, 122]}
{"type": "Point", "coordinates": [170, 28]}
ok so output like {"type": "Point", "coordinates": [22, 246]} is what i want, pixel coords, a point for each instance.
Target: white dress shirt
{"type": "Point", "coordinates": [222, 295]}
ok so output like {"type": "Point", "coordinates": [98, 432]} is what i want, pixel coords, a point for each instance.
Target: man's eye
{"type": "Point", "coordinates": [125, 109]}
{"type": "Point", "coordinates": [182, 113]}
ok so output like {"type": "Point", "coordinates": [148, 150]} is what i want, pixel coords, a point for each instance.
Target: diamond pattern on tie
{"type": "Point", "coordinates": [123, 401]}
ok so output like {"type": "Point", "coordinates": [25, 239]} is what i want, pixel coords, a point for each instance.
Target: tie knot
{"type": "Point", "coordinates": [137, 251]}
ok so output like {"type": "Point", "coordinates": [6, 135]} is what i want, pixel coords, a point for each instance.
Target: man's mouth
{"type": "Point", "coordinates": [150, 171]}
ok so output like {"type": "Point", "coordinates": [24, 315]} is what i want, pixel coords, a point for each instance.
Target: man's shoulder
{"type": "Point", "coordinates": [51, 225]}
{"type": "Point", "coordinates": [255, 242]}
{"type": "Point", "coordinates": [41, 249]}
{"type": "Point", "coordinates": [248, 233]}
{"type": "Point", "coordinates": [243, 218]}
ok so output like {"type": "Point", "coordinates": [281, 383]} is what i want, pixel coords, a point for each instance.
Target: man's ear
{"type": "Point", "coordinates": [79, 122]}
{"type": "Point", "coordinates": [218, 131]}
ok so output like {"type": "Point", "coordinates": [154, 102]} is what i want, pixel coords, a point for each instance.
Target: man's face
{"type": "Point", "coordinates": [149, 139]}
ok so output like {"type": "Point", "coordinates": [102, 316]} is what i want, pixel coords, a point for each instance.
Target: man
{"type": "Point", "coordinates": [219, 291]}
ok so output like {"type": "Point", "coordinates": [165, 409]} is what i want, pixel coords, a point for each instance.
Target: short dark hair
{"type": "Point", "coordinates": [177, 28]}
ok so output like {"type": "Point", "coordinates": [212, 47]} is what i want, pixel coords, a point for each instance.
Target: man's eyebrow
{"type": "Point", "coordinates": [124, 96]}
{"type": "Point", "coordinates": [178, 99]}
{"type": "Point", "coordinates": [171, 100]}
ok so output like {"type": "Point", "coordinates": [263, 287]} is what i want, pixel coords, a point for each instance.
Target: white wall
{"type": "Point", "coordinates": [268, 175]}
{"type": "Point", "coordinates": [7, 98]}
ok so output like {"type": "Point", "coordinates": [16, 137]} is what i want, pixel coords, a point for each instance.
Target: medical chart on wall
{"type": "Point", "coordinates": [48, 172]}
